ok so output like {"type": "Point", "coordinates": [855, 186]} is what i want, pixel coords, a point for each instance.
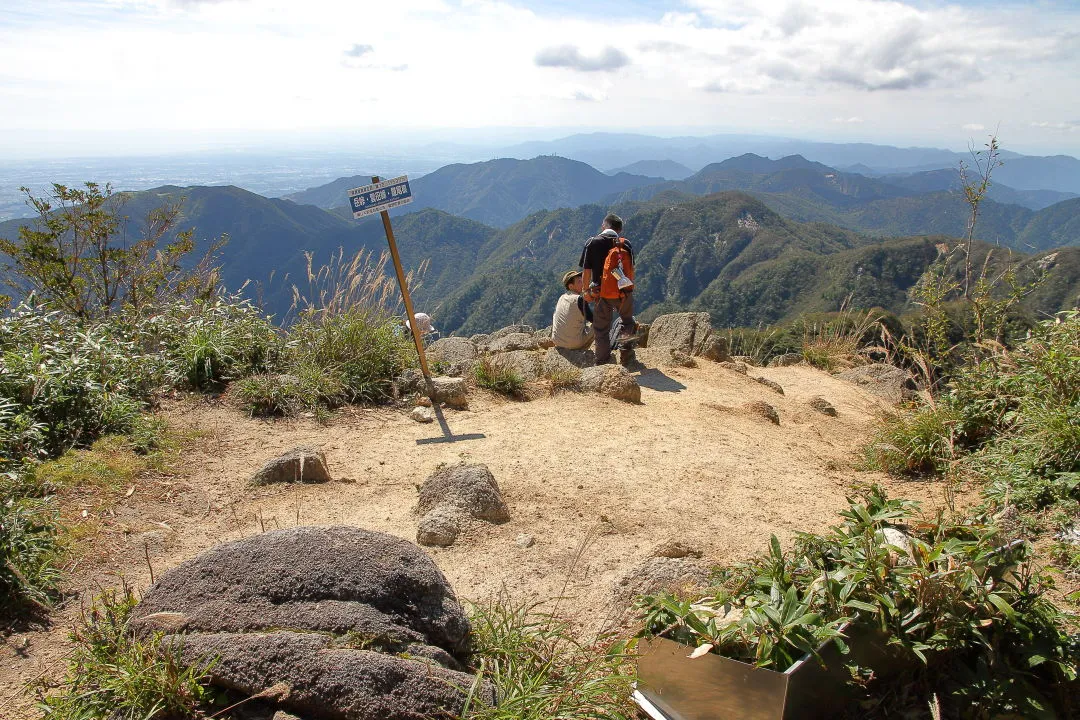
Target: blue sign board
{"type": "Point", "coordinates": [381, 196]}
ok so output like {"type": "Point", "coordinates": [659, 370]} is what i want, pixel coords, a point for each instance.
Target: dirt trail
{"type": "Point", "coordinates": [684, 464]}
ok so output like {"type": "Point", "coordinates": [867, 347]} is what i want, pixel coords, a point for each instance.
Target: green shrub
{"type": "Point", "coordinates": [495, 375]}
{"type": "Point", "coordinates": [115, 675]}
{"type": "Point", "coordinates": [541, 670]}
{"type": "Point", "coordinates": [306, 389]}
{"type": "Point", "coordinates": [208, 343]}
{"type": "Point", "coordinates": [972, 618]}
{"type": "Point", "coordinates": [29, 548]}
{"type": "Point", "coordinates": [920, 441]}
{"type": "Point", "coordinates": [360, 351]}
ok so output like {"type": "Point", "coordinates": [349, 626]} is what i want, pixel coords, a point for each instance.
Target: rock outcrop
{"type": "Point", "coordinates": [882, 380]}
{"type": "Point", "coordinates": [687, 332]}
{"type": "Point", "coordinates": [374, 631]}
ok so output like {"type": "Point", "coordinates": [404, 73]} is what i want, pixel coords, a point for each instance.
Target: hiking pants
{"type": "Point", "coordinates": [603, 313]}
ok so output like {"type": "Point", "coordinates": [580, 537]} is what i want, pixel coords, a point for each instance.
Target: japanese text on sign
{"type": "Point", "coordinates": [381, 196]}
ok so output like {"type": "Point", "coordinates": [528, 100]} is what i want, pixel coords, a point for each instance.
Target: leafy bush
{"type": "Point", "coordinates": [495, 375]}
{"type": "Point", "coordinates": [980, 635]}
{"type": "Point", "coordinates": [116, 675]}
{"type": "Point", "coordinates": [63, 385]}
{"type": "Point", "coordinates": [920, 441]}
{"type": "Point", "coordinates": [541, 670]}
{"type": "Point", "coordinates": [29, 549]}
{"type": "Point", "coordinates": [205, 343]}
{"type": "Point", "coordinates": [305, 389]}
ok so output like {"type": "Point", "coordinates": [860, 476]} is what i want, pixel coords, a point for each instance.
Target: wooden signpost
{"type": "Point", "coordinates": [380, 197]}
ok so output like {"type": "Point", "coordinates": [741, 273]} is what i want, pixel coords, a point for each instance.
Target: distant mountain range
{"type": "Point", "coordinates": [750, 240]}
{"type": "Point", "coordinates": [666, 169]}
{"type": "Point", "coordinates": [620, 150]}
{"type": "Point", "coordinates": [497, 192]}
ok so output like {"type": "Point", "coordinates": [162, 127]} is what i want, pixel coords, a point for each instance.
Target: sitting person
{"type": "Point", "coordinates": [571, 326]}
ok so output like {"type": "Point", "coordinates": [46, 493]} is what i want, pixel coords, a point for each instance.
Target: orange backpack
{"type": "Point", "coordinates": [618, 277]}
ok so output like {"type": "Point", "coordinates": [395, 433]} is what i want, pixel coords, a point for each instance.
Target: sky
{"type": "Point", "coordinates": [115, 76]}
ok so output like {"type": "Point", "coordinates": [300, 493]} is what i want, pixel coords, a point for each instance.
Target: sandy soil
{"type": "Point", "coordinates": [599, 483]}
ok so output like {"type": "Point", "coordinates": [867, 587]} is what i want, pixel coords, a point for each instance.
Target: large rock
{"type": "Point", "coordinates": [321, 677]}
{"type": "Point", "coordinates": [612, 380]}
{"type": "Point", "coordinates": [562, 361]}
{"type": "Point", "coordinates": [509, 330]}
{"type": "Point", "coordinates": [302, 464]}
{"type": "Point", "coordinates": [883, 380]}
{"type": "Point", "coordinates": [687, 332]}
{"type": "Point", "coordinates": [457, 354]}
{"type": "Point", "coordinates": [353, 601]}
{"type": "Point", "coordinates": [469, 487]}
{"type": "Point", "coordinates": [715, 348]}
{"type": "Point", "coordinates": [526, 363]}
{"type": "Point", "coordinates": [514, 341]}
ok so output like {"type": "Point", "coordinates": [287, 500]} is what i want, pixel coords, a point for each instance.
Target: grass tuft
{"type": "Point", "coordinates": [541, 670]}
{"type": "Point", "coordinates": [114, 674]}
{"type": "Point", "coordinates": [495, 375]}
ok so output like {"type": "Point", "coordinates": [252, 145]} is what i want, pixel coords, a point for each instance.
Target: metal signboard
{"type": "Point", "coordinates": [380, 196]}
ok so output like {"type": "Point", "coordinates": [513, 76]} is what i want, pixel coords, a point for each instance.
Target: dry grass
{"type": "Point", "coordinates": [840, 342]}
{"type": "Point", "coordinates": [344, 284]}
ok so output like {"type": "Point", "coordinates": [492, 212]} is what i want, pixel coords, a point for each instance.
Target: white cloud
{"type": "Point", "coordinates": [973, 127]}
{"type": "Point", "coordinates": [568, 56]}
{"type": "Point", "coordinates": [910, 71]}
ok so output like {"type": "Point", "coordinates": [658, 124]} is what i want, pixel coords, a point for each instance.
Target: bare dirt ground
{"type": "Point", "coordinates": [599, 483]}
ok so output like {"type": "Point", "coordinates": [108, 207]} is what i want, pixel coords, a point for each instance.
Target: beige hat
{"type": "Point", "coordinates": [568, 277]}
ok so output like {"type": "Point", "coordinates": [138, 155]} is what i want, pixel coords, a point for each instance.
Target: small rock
{"type": "Point", "coordinates": [524, 540]}
{"type": "Point", "coordinates": [883, 380]}
{"type": "Point", "coordinates": [471, 488]}
{"type": "Point", "coordinates": [745, 359]}
{"type": "Point", "coordinates": [302, 464]}
{"type": "Point", "coordinates": [823, 406]}
{"type": "Point", "coordinates": [450, 390]}
{"type": "Point", "coordinates": [675, 549]}
{"type": "Point", "coordinates": [898, 538]}
{"type": "Point", "coordinates": [739, 367]}
{"type": "Point", "coordinates": [423, 401]}
{"type": "Point", "coordinates": [762, 410]}
{"type": "Point", "coordinates": [661, 573]}
{"type": "Point", "coordinates": [545, 342]}
{"type": "Point", "coordinates": [423, 414]}
{"type": "Point", "coordinates": [441, 526]}
{"type": "Point", "coordinates": [786, 360]}
{"type": "Point", "coordinates": [771, 384]}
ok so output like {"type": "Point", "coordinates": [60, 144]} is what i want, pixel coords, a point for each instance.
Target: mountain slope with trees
{"type": "Point", "coordinates": [496, 192]}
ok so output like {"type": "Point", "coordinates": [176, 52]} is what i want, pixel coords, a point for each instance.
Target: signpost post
{"type": "Point", "coordinates": [379, 197]}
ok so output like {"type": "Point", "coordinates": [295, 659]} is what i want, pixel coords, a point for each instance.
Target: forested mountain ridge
{"type": "Point", "coordinates": [497, 192]}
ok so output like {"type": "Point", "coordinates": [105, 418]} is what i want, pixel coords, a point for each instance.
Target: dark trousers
{"type": "Point", "coordinates": [603, 313]}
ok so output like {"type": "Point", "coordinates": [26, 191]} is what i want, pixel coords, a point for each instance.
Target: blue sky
{"type": "Point", "coordinates": [111, 75]}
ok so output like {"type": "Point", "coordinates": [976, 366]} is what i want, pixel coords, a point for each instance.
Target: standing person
{"type": "Point", "coordinates": [607, 266]}
{"type": "Point", "coordinates": [570, 325]}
